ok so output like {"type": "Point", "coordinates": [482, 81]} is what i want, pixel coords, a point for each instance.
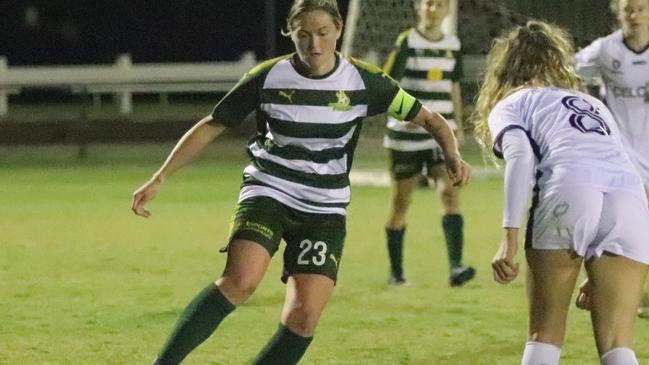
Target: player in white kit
{"type": "Point", "coordinates": [621, 60]}
{"type": "Point", "coordinates": [588, 202]}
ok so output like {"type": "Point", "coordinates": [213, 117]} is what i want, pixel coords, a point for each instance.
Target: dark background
{"type": "Point", "coordinates": [49, 32]}
{"type": "Point", "coordinates": [36, 32]}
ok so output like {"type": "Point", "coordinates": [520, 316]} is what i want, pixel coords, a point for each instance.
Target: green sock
{"type": "Point", "coordinates": [195, 325]}
{"type": "Point", "coordinates": [453, 226]}
{"type": "Point", "coordinates": [395, 250]}
{"type": "Point", "coordinates": [284, 348]}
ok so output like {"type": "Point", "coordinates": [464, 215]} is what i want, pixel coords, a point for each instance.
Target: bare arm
{"type": "Point", "coordinates": [458, 170]}
{"type": "Point", "coordinates": [188, 147]}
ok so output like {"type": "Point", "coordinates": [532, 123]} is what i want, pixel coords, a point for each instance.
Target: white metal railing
{"type": "Point", "coordinates": [123, 78]}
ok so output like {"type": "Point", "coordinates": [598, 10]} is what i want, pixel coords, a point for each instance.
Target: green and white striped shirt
{"type": "Point", "coordinates": [309, 128]}
{"type": "Point", "coordinates": [427, 70]}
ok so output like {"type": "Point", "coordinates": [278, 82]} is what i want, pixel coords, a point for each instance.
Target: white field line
{"type": "Point", "coordinates": [381, 178]}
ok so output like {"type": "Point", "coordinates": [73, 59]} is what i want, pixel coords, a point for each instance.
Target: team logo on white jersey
{"type": "Point", "coordinates": [342, 105]}
{"type": "Point", "coordinates": [586, 118]}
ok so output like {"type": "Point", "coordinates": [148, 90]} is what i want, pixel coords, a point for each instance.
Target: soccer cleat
{"type": "Point", "coordinates": [423, 182]}
{"type": "Point", "coordinates": [460, 275]}
{"type": "Point", "coordinates": [643, 312]}
{"type": "Point", "coordinates": [398, 281]}
{"type": "Point", "coordinates": [643, 309]}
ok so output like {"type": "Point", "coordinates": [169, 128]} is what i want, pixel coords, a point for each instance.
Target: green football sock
{"type": "Point", "coordinates": [195, 325]}
{"type": "Point", "coordinates": [284, 348]}
{"type": "Point", "coordinates": [453, 225]}
{"type": "Point", "coordinates": [395, 250]}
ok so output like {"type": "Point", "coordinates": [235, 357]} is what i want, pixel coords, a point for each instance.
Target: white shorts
{"type": "Point", "coordinates": [588, 221]}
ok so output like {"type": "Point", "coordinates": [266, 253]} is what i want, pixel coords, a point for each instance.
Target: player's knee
{"type": "Point", "coordinates": [540, 353]}
{"type": "Point", "coordinates": [449, 194]}
{"type": "Point", "coordinates": [237, 288]}
{"type": "Point", "coordinates": [400, 202]}
{"type": "Point", "coordinates": [618, 356]}
{"type": "Point", "coordinates": [303, 320]}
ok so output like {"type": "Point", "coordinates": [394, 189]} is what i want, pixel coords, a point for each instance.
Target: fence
{"type": "Point", "coordinates": [123, 79]}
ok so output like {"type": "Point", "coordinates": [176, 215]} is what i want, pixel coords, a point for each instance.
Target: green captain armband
{"type": "Point", "coordinates": [402, 105]}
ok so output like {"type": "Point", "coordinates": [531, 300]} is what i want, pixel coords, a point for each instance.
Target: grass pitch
{"type": "Point", "coordinates": [84, 281]}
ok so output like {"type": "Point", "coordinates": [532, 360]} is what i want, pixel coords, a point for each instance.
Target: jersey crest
{"type": "Point", "coordinates": [343, 103]}
{"type": "Point", "coordinates": [435, 74]}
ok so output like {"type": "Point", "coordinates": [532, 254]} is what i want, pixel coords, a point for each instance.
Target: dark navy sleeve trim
{"type": "Point", "coordinates": [498, 148]}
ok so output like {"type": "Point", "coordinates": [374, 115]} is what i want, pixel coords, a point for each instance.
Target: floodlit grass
{"type": "Point", "coordinates": [84, 281]}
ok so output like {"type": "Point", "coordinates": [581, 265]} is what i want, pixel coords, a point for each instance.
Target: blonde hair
{"type": "Point", "coordinates": [615, 7]}
{"type": "Point", "coordinates": [300, 7]}
{"type": "Point", "coordinates": [536, 54]}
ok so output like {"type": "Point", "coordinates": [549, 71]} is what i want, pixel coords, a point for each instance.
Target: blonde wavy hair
{"type": "Point", "coordinates": [536, 54]}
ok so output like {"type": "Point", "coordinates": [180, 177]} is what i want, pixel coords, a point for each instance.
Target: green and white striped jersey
{"type": "Point", "coordinates": [309, 128]}
{"type": "Point", "coordinates": [427, 70]}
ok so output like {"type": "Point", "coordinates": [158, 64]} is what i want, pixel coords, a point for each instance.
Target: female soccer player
{"type": "Point", "coordinates": [309, 106]}
{"type": "Point", "coordinates": [621, 59]}
{"type": "Point", "coordinates": [588, 203]}
{"type": "Point", "coordinates": [427, 64]}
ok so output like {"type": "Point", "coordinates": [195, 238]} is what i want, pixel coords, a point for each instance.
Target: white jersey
{"type": "Point", "coordinates": [573, 135]}
{"type": "Point", "coordinates": [625, 74]}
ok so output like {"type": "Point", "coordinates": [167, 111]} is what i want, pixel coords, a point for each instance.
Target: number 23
{"type": "Point", "coordinates": [318, 259]}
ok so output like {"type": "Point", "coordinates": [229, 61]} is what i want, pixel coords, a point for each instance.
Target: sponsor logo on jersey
{"type": "Point", "coordinates": [343, 103]}
{"type": "Point", "coordinates": [287, 95]}
{"type": "Point", "coordinates": [630, 92]}
{"type": "Point", "coordinates": [639, 62]}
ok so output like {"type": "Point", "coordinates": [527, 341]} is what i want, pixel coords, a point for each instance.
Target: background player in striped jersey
{"type": "Point", "coordinates": [588, 204]}
{"type": "Point", "coordinates": [621, 60]}
{"type": "Point", "coordinates": [427, 64]}
{"type": "Point", "coordinates": [309, 106]}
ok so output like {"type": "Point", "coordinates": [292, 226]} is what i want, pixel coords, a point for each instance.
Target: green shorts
{"type": "Point", "coordinates": [314, 242]}
{"type": "Point", "coordinates": [406, 164]}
